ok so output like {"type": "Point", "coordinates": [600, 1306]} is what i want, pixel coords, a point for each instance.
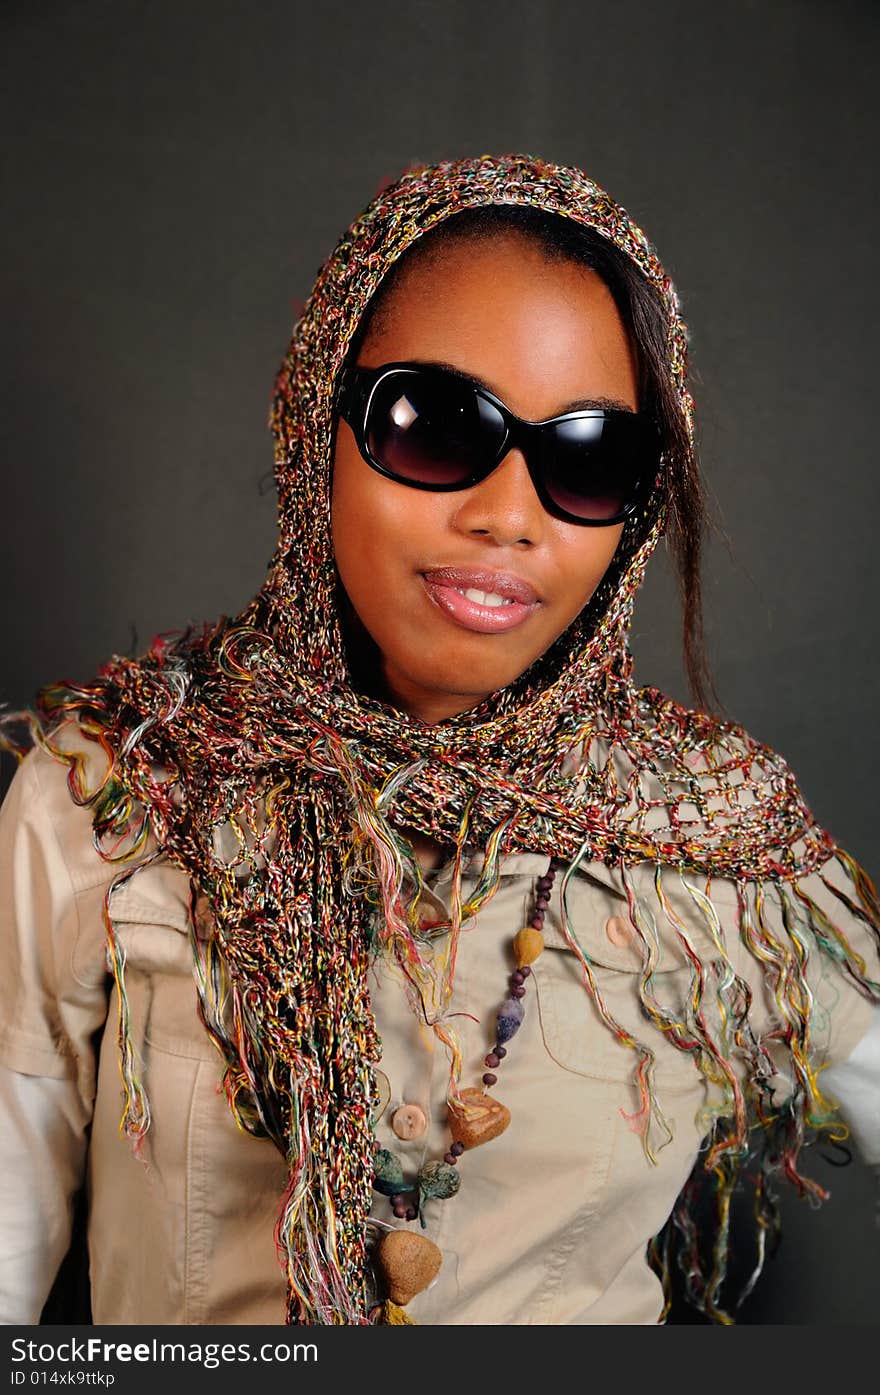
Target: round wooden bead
{"type": "Point", "coordinates": [528, 944]}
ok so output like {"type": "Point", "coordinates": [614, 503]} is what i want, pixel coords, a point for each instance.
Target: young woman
{"type": "Point", "coordinates": [489, 949]}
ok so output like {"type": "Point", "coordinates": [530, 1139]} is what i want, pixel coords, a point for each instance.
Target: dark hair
{"type": "Point", "coordinates": [644, 314]}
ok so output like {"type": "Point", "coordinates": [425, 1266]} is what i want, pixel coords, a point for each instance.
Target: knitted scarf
{"type": "Point", "coordinates": [243, 753]}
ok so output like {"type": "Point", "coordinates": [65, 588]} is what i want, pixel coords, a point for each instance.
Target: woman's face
{"type": "Point", "coordinates": [543, 336]}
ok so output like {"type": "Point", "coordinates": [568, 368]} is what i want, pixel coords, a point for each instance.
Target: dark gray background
{"type": "Point", "coordinates": [174, 172]}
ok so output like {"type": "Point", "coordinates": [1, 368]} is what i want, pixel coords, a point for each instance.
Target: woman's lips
{"type": "Point", "coordinates": [498, 601]}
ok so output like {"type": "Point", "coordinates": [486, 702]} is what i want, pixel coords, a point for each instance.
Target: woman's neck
{"type": "Point", "coordinates": [430, 853]}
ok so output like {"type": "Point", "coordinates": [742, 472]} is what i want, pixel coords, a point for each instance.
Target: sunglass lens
{"type": "Point", "coordinates": [594, 467]}
{"type": "Point", "coordinates": [432, 430]}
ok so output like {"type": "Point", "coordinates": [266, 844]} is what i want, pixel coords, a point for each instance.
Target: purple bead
{"type": "Point", "coordinates": [518, 992]}
{"type": "Point", "coordinates": [500, 1051]}
{"type": "Point", "coordinates": [490, 1079]}
{"type": "Point", "coordinates": [544, 884]}
{"type": "Point", "coordinates": [537, 920]}
{"type": "Point", "coordinates": [411, 1213]}
{"type": "Point", "coordinates": [542, 902]}
{"type": "Point", "coordinates": [510, 1016]}
{"type": "Point", "coordinates": [517, 978]}
{"type": "Point", "coordinates": [450, 1158]}
{"type": "Point", "coordinates": [399, 1210]}
{"type": "Point", "coordinates": [493, 1059]}
{"type": "Point", "coordinates": [457, 1149]}
{"type": "Point", "coordinates": [526, 970]}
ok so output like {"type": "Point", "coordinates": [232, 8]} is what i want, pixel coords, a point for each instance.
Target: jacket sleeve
{"type": "Point", "coordinates": [855, 1085]}
{"type": "Point", "coordinates": [42, 1156]}
{"type": "Point", "coordinates": [54, 1001]}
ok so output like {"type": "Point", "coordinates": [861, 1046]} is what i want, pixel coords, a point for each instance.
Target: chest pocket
{"type": "Point", "coordinates": [574, 1033]}
{"type": "Point", "coordinates": [151, 920]}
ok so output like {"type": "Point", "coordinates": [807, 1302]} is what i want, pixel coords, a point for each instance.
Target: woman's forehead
{"type": "Point", "coordinates": [540, 332]}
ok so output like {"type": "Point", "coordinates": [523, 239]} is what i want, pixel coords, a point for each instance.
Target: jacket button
{"type": "Point", "coordinates": [618, 931]}
{"type": "Point", "coordinates": [409, 1121]}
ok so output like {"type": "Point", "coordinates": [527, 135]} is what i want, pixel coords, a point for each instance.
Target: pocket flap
{"type": "Point", "coordinates": [599, 915]}
{"type": "Point", "coordinates": [158, 895]}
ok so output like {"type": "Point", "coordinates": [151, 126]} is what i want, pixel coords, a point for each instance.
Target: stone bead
{"type": "Point", "coordinates": [517, 978]}
{"type": "Point", "coordinates": [438, 1180]}
{"type": "Point", "coordinates": [510, 1016]}
{"type": "Point", "coordinates": [525, 971]}
{"type": "Point", "coordinates": [490, 1078]}
{"type": "Point", "coordinates": [477, 1119]}
{"type": "Point", "coordinates": [493, 1060]}
{"type": "Point", "coordinates": [387, 1173]}
{"type": "Point", "coordinates": [406, 1263]}
{"type": "Point", "coordinates": [409, 1121]}
{"type": "Point", "coordinates": [518, 991]}
{"type": "Point", "coordinates": [500, 1051]}
{"type": "Point", "coordinates": [528, 944]}
{"type": "Point", "coordinates": [450, 1158]}
{"type": "Point", "coordinates": [457, 1149]}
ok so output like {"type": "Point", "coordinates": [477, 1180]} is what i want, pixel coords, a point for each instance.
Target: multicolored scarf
{"type": "Point", "coordinates": [243, 753]}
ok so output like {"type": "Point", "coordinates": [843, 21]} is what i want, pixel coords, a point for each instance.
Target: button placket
{"type": "Point", "coordinates": [405, 1068]}
{"type": "Point", "coordinates": [418, 1122]}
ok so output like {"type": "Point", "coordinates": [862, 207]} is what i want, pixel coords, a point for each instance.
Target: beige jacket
{"type": "Point", "coordinates": [553, 1217]}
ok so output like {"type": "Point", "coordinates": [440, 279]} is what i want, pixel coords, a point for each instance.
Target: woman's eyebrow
{"type": "Point", "coordinates": [580, 404]}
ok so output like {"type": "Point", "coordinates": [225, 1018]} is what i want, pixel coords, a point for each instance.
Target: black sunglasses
{"type": "Point", "coordinates": [433, 428]}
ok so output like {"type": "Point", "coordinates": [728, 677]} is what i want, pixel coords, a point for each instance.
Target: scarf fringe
{"type": "Point", "coordinates": [754, 1140]}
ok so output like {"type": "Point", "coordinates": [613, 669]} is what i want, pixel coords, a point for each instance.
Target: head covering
{"type": "Point", "coordinates": [243, 753]}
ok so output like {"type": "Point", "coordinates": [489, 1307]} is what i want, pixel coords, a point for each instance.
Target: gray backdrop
{"type": "Point", "coordinates": [175, 172]}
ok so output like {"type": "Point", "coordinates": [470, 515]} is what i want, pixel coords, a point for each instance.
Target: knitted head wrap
{"type": "Point", "coordinates": [244, 755]}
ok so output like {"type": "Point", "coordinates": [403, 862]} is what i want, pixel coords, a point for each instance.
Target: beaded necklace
{"type": "Point", "coordinates": [405, 1263]}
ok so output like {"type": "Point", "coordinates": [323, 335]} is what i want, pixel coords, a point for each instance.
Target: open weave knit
{"type": "Point", "coordinates": [242, 753]}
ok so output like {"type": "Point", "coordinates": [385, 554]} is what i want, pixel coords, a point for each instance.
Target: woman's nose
{"type": "Point", "coordinates": [504, 506]}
